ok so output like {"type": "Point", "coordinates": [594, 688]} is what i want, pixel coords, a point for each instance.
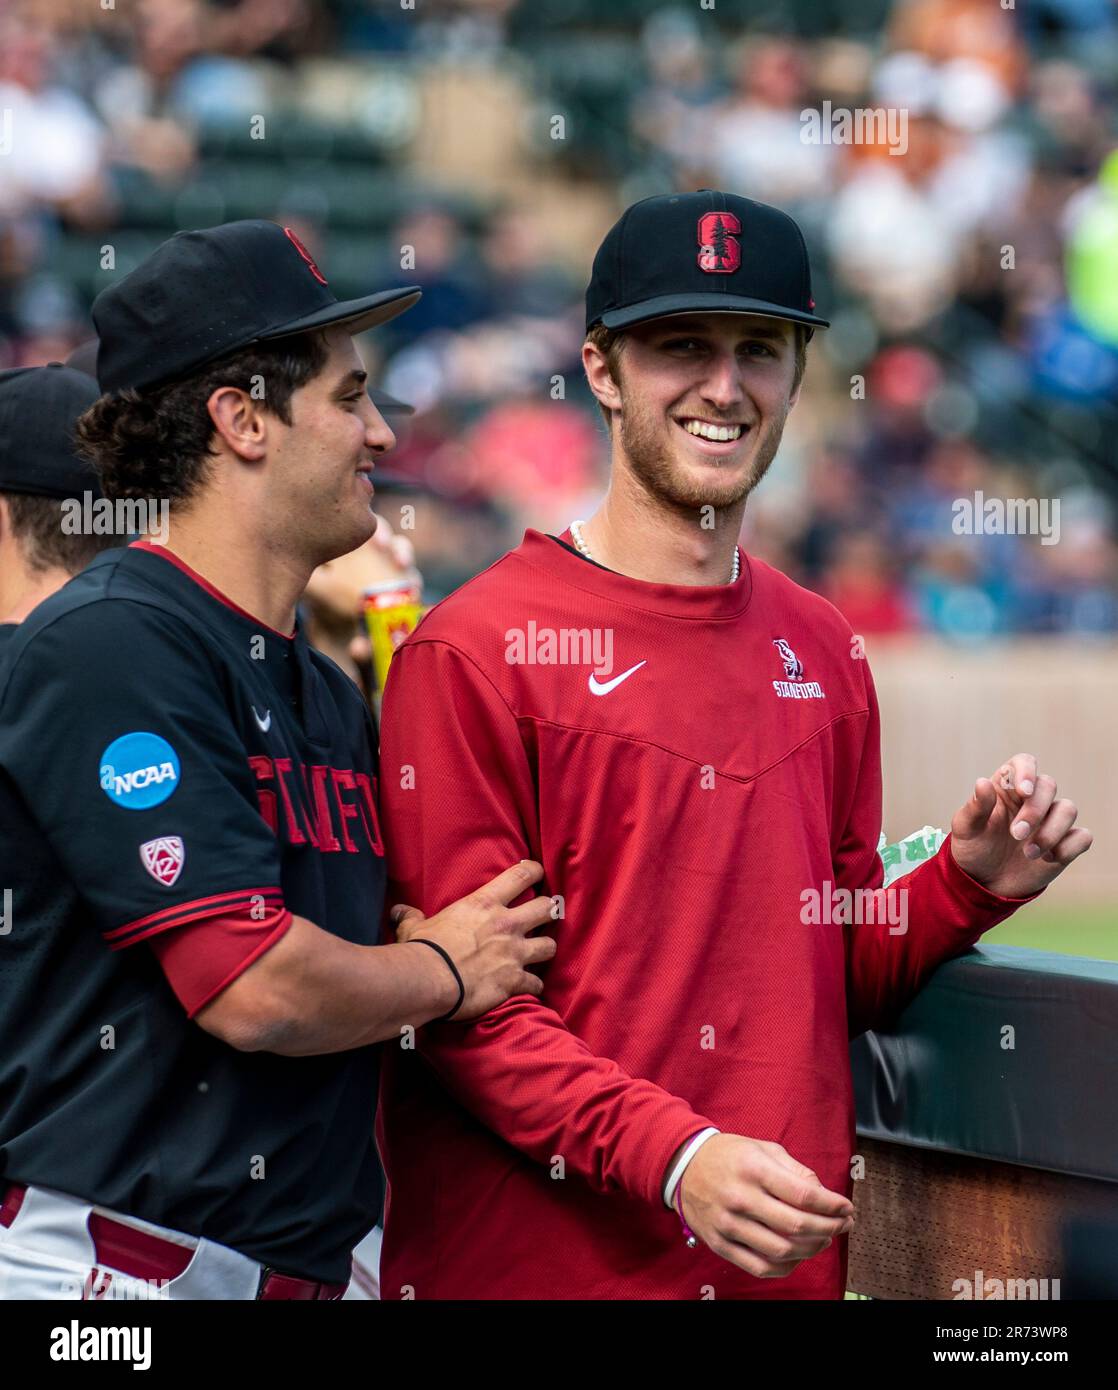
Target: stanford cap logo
{"type": "Point", "coordinates": [719, 249]}
{"type": "Point", "coordinates": [306, 255]}
{"type": "Point", "coordinates": [163, 858]}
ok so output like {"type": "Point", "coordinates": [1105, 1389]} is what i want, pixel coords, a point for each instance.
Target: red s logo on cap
{"type": "Point", "coordinates": [719, 251]}
{"type": "Point", "coordinates": [306, 255]}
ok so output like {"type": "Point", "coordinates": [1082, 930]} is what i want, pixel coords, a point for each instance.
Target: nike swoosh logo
{"type": "Point", "coordinates": [604, 687]}
{"type": "Point", "coordinates": [264, 724]}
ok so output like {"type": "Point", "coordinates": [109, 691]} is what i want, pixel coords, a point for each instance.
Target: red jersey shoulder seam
{"type": "Point", "coordinates": [474, 579]}
{"type": "Point", "coordinates": [418, 640]}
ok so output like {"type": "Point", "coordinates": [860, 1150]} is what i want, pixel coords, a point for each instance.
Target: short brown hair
{"type": "Point", "coordinates": [611, 341]}
{"type": "Point", "coordinates": [156, 443]}
{"type": "Point", "coordinates": [36, 523]}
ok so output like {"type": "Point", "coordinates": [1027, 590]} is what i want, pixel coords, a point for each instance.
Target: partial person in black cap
{"type": "Point", "coordinates": [39, 470]}
{"type": "Point", "coordinates": [189, 820]}
{"type": "Point", "coordinates": [689, 743]}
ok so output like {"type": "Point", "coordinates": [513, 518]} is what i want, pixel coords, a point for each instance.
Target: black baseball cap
{"type": "Point", "coordinates": [39, 407]}
{"type": "Point", "coordinates": [84, 359]}
{"type": "Point", "coordinates": [202, 295]}
{"type": "Point", "coordinates": [680, 253]}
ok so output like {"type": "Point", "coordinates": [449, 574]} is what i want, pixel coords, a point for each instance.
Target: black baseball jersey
{"type": "Point", "coordinates": [172, 771]}
{"type": "Point", "coordinates": [7, 630]}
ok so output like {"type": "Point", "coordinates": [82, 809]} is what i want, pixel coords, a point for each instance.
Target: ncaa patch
{"type": "Point", "coordinates": [164, 858]}
{"type": "Point", "coordinates": [139, 771]}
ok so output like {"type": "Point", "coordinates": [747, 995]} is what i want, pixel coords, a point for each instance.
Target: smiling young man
{"type": "Point", "coordinates": [690, 1047]}
{"type": "Point", "coordinates": [190, 846]}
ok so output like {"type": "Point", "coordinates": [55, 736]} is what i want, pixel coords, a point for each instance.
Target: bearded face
{"type": "Point", "coordinates": [703, 402]}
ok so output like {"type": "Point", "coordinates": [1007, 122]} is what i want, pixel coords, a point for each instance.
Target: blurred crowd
{"type": "Point", "coordinates": [481, 148]}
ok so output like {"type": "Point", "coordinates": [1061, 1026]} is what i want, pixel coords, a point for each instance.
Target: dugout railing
{"type": "Point", "coordinates": [987, 1118]}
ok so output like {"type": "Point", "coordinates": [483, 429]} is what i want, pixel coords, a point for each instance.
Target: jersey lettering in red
{"type": "Point", "coordinates": [324, 810]}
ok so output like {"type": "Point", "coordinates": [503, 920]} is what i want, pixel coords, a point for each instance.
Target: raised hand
{"type": "Point", "coordinates": [1014, 836]}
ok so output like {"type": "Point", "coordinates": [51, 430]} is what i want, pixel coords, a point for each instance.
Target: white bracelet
{"type": "Point", "coordinates": [684, 1159]}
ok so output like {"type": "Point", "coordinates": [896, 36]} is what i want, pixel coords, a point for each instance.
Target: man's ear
{"type": "Point", "coordinates": [240, 422]}
{"type": "Point", "coordinates": [602, 384]}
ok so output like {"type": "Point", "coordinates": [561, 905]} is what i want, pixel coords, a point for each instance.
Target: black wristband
{"type": "Point", "coordinates": [453, 970]}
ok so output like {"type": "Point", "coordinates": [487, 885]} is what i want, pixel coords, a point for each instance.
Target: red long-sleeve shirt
{"type": "Point", "coordinates": [681, 815]}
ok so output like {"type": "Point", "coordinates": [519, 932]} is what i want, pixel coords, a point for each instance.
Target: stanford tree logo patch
{"type": "Point", "coordinates": [719, 249]}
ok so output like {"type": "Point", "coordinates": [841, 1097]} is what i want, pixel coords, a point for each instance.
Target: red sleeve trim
{"type": "Point", "coordinates": [226, 904]}
{"type": "Point", "coordinates": [204, 958]}
{"type": "Point", "coordinates": [281, 929]}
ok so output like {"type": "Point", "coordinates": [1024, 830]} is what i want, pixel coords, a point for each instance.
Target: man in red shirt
{"type": "Point", "coordinates": [689, 743]}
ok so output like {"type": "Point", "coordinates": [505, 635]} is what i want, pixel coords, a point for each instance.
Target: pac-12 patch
{"type": "Point", "coordinates": [139, 770]}
{"type": "Point", "coordinates": [164, 858]}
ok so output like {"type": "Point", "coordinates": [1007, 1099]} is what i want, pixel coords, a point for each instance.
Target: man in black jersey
{"type": "Point", "coordinates": [192, 862]}
{"type": "Point", "coordinates": [43, 484]}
